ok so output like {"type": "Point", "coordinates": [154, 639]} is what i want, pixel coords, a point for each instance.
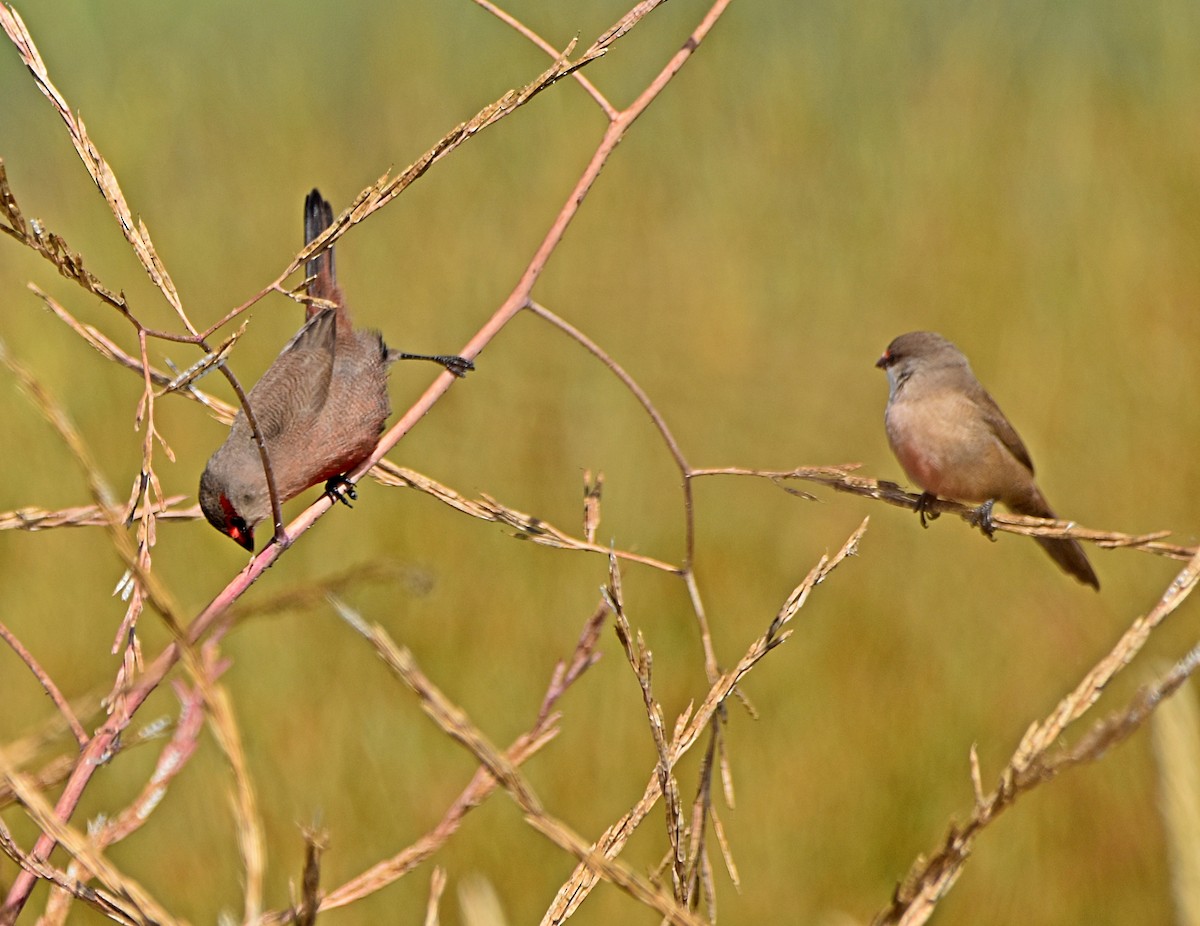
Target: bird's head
{"type": "Point", "coordinates": [232, 510]}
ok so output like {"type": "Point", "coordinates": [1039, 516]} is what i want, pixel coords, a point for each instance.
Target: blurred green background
{"type": "Point", "coordinates": [822, 176]}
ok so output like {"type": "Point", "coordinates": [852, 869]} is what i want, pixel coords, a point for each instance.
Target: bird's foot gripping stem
{"type": "Point", "coordinates": [341, 489]}
{"type": "Point", "coordinates": [459, 366]}
{"type": "Point", "coordinates": [924, 508]}
{"type": "Point", "coordinates": [981, 517]}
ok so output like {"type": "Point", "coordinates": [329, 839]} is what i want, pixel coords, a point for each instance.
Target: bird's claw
{"type": "Point", "coordinates": [981, 517]}
{"type": "Point", "coordinates": [924, 509]}
{"type": "Point", "coordinates": [341, 489]}
{"type": "Point", "coordinates": [456, 365]}
{"type": "Point", "coordinates": [459, 366]}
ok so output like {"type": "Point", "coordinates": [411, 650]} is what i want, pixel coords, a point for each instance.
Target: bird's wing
{"type": "Point", "coordinates": [1003, 429]}
{"type": "Point", "coordinates": [293, 390]}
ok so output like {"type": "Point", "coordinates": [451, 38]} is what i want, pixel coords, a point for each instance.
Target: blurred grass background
{"type": "Point", "coordinates": [821, 177]}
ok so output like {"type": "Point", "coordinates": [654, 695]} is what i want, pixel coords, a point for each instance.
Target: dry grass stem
{"type": "Point", "coordinates": [485, 508]}
{"type": "Point", "coordinates": [840, 478]}
{"type": "Point", "coordinates": [214, 358]}
{"type": "Point", "coordinates": [52, 773]}
{"type": "Point", "coordinates": [592, 490]}
{"type": "Point", "coordinates": [479, 903]}
{"type": "Point", "coordinates": [482, 784]}
{"type": "Point", "coordinates": [304, 909]}
{"type": "Point", "coordinates": [49, 245]}
{"type": "Point", "coordinates": [437, 886]}
{"type": "Point", "coordinates": [641, 661]}
{"type": "Point", "coordinates": [135, 233]}
{"type": "Point", "coordinates": [118, 909]}
{"type": "Point", "coordinates": [726, 853]}
{"type": "Point", "coordinates": [575, 890]}
{"type": "Point", "coordinates": [698, 872]}
{"type": "Point", "coordinates": [455, 723]}
{"type": "Point", "coordinates": [145, 908]}
{"type": "Point", "coordinates": [38, 519]}
{"type": "Point", "coordinates": [1035, 762]}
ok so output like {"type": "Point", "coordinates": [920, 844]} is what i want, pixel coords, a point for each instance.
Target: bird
{"type": "Point", "coordinates": [953, 441]}
{"type": "Point", "coordinates": [320, 406]}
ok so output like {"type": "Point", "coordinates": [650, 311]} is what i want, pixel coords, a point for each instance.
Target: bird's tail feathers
{"type": "Point", "coordinates": [1066, 552]}
{"type": "Point", "coordinates": [320, 270]}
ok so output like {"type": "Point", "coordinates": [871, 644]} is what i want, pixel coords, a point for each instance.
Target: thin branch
{"type": "Point", "coordinates": [38, 519]}
{"type": "Point", "coordinates": [840, 478]}
{"type": "Point", "coordinates": [47, 684]}
{"type": "Point", "coordinates": [509, 20]}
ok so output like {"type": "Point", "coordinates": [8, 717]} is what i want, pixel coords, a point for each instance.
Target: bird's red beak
{"type": "Point", "coordinates": [235, 525]}
{"type": "Point", "coordinates": [244, 538]}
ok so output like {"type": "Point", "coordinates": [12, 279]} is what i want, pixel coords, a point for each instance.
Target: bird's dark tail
{"type": "Point", "coordinates": [318, 216]}
{"type": "Point", "coordinates": [1066, 552]}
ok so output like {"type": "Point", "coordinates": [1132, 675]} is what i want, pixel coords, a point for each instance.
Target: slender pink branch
{"type": "Point", "coordinates": [47, 683]}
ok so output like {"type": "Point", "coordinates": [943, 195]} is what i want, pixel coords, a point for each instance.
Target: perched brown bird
{"type": "Point", "coordinates": [320, 406]}
{"type": "Point", "coordinates": [953, 441]}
